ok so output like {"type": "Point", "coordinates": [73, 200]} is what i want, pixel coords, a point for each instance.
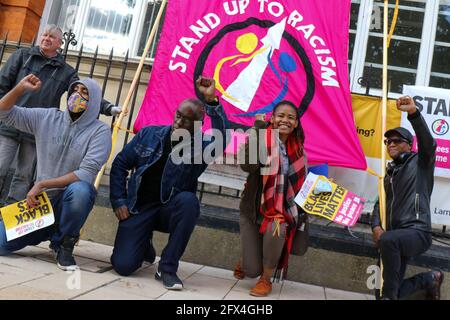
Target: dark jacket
{"type": "Point", "coordinates": [251, 196]}
{"type": "Point", "coordinates": [55, 74]}
{"type": "Point", "coordinates": [145, 150]}
{"type": "Point", "coordinates": [409, 184]}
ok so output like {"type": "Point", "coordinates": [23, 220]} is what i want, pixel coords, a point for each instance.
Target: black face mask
{"type": "Point", "coordinates": [76, 116]}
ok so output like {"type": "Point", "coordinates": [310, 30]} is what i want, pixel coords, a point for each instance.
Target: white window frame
{"type": "Point", "coordinates": [83, 15]}
{"type": "Point", "coordinates": [360, 46]}
{"type": "Point", "coordinates": [45, 15]}
{"type": "Point", "coordinates": [137, 35]}
{"type": "Point", "coordinates": [434, 43]}
{"type": "Point", "coordinates": [426, 53]}
{"type": "Point", "coordinates": [428, 42]}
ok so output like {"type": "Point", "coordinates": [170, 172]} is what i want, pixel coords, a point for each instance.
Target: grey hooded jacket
{"type": "Point", "coordinates": [64, 146]}
{"type": "Point", "coordinates": [56, 76]}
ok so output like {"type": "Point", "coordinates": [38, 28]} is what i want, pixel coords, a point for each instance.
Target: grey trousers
{"type": "Point", "coordinates": [259, 250]}
{"type": "Point", "coordinates": [26, 163]}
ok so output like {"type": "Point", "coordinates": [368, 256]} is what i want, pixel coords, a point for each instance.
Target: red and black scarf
{"type": "Point", "coordinates": [278, 193]}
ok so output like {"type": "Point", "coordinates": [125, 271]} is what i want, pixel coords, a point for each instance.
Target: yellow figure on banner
{"type": "Point", "coordinates": [245, 44]}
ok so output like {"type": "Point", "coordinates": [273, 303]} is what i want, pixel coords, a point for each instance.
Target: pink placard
{"type": "Point", "coordinates": [442, 152]}
{"type": "Point", "coordinates": [350, 210]}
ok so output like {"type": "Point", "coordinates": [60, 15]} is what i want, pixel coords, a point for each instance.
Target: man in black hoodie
{"type": "Point", "coordinates": [45, 62]}
{"type": "Point", "coordinates": [408, 184]}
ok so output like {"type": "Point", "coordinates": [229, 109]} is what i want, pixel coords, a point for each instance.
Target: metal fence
{"type": "Point", "coordinates": [80, 57]}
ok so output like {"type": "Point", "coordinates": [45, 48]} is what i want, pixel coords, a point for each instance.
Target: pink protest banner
{"type": "Point", "coordinates": [350, 210]}
{"type": "Point", "coordinates": [261, 52]}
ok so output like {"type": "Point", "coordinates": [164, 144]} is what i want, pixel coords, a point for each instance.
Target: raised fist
{"type": "Point", "coordinates": [260, 117]}
{"type": "Point", "coordinates": [207, 87]}
{"type": "Point", "coordinates": [406, 104]}
{"type": "Point", "coordinates": [30, 83]}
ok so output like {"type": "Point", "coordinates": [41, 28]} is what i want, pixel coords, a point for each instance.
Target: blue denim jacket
{"type": "Point", "coordinates": [145, 149]}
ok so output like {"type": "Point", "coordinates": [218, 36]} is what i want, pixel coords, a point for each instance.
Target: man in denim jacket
{"type": "Point", "coordinates": [161, 192]}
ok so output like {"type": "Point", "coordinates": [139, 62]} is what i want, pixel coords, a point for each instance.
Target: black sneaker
{"type": "Point", "coordinates": [170, 280]}
{"type": "Point", "coordinates": [64, 258]}
{"type": "Point", "coordinates": [150, 254]}
{"type": "Point", "coordinates": [55, 249]}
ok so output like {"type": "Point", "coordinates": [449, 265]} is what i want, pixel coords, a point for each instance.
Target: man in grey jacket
{"type": "Point", "coordinates": [56, 75]}
{"type": "Point", "coordinates": [72, 146]}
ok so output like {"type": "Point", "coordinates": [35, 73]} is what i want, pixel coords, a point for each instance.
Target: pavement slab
{"type": "Point", "coordinates": [31, 274]}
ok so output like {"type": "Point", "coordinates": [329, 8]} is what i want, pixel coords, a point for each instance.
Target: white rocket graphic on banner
{"type": "Point", "coordinates": [244, 88]}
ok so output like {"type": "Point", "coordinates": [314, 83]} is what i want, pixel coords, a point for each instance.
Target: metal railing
{"type": "Point", "coordinates": [80, 57]}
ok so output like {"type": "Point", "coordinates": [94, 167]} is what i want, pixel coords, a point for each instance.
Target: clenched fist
{"type": "Point", "coordinates": [207, 87]}
{"type": "Point", "coordinates": [30, 83]}
{"type": "Point", "coordinates": [406, 104]}
{"type": "Point", "coordinates": [260, 117]}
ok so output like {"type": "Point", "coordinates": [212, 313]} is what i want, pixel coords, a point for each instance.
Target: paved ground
{"type": "Point", "coordinates": [32, 274]}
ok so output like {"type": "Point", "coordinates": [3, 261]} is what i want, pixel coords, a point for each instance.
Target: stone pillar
{"type": "Point", "coordinates": [20, 18]}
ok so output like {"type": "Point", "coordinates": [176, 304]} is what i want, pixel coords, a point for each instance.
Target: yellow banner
{"type": "Point", "coordinates": [367, 112]}
{"type": "Point", "coordinates": [19, 220]}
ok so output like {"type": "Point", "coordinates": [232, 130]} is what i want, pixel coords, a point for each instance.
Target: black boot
{"type": "Point", "coordinates": [65, 259]}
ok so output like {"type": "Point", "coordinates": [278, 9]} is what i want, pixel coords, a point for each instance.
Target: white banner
{"type": "Point", "coordinates": [434, 105]}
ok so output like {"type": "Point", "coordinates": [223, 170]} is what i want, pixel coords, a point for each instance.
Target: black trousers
{"type": "Point", "coordinates": [396, 248]}
{"type": "Point", "coordinates": [178, 218]}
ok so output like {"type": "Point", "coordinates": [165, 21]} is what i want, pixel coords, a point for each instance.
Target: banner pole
{"type": "Point", "coordinates": [133, 87]}
{"type": "Point", "coordinates": [382, 195]}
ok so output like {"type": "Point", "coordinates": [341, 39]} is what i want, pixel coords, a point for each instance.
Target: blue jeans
{"type": "Point", "coordinates": [71, 208]}
{"type": "Point", "coordinates": [25, 166]}
{"type": "Point", "coordinates": [178, 218]}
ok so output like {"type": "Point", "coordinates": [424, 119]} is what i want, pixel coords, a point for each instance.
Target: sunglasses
{"type": "Point", "coordinates": [395, 141]}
